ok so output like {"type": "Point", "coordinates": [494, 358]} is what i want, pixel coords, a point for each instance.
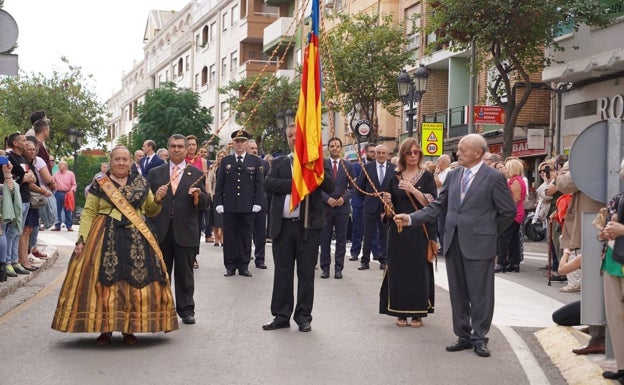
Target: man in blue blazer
{"type": "Point", "coordinates": [336, 207]}
{"type": "Point", "coordinates": [478, 206]}
{"type": "Point", "coordinates": [150, 160]}
{"type": "Point", "coordinates": [375, 178]}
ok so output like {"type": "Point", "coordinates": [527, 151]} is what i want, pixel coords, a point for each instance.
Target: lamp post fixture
{"type": "Point", "coordinates": [411, 91]}
{"type": "Point", "coordinates": [282, 120]}
{"type": "Point", "coordinates": [75, 138]}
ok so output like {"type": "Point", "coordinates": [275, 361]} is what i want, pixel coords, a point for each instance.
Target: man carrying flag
{"type": "Point", "coordinates": [296, 209]}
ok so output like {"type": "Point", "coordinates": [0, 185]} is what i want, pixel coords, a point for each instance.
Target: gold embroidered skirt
{"type": "Point", "coordinates": [87, 306]}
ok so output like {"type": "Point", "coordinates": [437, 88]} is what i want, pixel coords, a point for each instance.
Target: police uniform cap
{"type": "Point", "coordinates": [241, 135]}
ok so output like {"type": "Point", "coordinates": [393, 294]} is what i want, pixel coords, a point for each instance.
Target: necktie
{"type": "Point", "coordinates": [382, 173]}
{"type": "Point", "coordinates": [464, 183]}
{"type": "Point", "coordinates": [174, 178]}
{"type": "Point", "coordinates": [240, 160]}
{"type": "Point", "coordinates": [335, 169]}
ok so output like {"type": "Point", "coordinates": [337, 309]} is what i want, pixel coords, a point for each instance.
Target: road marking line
{"type": "Point", "coordinates": [31, 301]}
{"type": "Point", "coordinates": [529, 364]}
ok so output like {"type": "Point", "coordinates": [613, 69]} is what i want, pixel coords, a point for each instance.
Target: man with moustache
{"type": "Point", "coordinates": [174, 186]}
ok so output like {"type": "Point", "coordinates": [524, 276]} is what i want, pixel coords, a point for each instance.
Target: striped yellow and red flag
{"type": "Point", "coordinates": [308, 159]}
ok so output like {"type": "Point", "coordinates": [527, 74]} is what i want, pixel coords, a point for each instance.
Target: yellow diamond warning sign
{"type": "Point", "coordinates": [433, 135]}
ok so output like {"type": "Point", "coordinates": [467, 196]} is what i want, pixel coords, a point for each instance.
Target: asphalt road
{"type": "Point", "coordinates": [350, 342]}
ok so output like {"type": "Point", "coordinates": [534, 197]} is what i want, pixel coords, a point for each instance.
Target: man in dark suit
{"type": "Point", "coordinates": [357, 203]}
{"type": "Point", "coordinates": [239, 195]}
{"type": "Point", "coordinates": [260, 219]}
{"type": "Point", "coordinates": [375, 178]}
{"type": "Point", "coordinates": [293, 243]}
{"type": "Point", "coordinates": [136, 165]}
{"type": "Point", "coordinates": [176, 226]}
{"type": "Point", "coordinates": [150, 160]}
{"type": "Point", "coordinates": [478, 206]}
{"type": "Point", "coordinates": [336, 207]}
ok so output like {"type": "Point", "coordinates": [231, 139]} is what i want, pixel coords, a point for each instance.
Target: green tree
{"type": "Point", "coordinates": [169, 110]}
{"type": "Point", "coordinates": [361, 58]}
{"type": "Point", "coordinates": [66, 97]}
{"type": "Point", "coordinates": [257, 100]}
{"type": "Point", "coordinates": [509, 37]}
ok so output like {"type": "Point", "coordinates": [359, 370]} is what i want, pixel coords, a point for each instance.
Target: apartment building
{"type": "Point", "coordinates": [202, 47]}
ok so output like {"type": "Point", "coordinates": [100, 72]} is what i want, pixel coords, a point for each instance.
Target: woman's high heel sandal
{"type": "Point", "coordinates": [104, 339]}
{"type": "Point", "coordinates": [129, 338]}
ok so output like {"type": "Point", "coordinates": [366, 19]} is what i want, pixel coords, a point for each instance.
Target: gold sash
{"type": "Point", "coordinates": [126, 209]}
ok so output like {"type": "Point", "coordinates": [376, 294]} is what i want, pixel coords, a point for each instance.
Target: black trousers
{"type": "Point", "coordinates": [372, 224]}
{"type": "Point", "coordinates": [237, 231]}
{"type": "Point", "coordinates": [180, 260]}
{"type": "Point", "coordinates": [259, 236]}
{"type": "Point", "coordinates": [291, 248]}
{"type": "Point", "coordinates": [338, 223]}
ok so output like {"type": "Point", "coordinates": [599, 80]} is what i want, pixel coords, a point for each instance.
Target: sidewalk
{"type": "Point", "coordinates": [12, 284]}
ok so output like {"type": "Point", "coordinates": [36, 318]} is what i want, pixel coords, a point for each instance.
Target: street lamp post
{"type": "Point", "coordinates": [282, 120]}
{"type": "Point", "coordinates": [411, 91]}
{"type": "Point", "coordinates": [75, 138]}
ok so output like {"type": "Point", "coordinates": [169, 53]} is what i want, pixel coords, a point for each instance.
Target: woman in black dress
{"type": "Point", "coordinates": [408, 285]}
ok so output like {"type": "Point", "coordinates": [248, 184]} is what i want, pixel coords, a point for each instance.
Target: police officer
{"type": "Point", "coordinates": [239, 194]}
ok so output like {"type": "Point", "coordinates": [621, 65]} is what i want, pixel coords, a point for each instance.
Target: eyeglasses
{"type": "Point", "coordinates": [413, 153]}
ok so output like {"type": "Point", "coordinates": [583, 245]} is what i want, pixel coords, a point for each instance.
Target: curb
{"type": "Point", "coordinates": [558, 342]}
{"type": "Point", "coordinates": [12, 284]}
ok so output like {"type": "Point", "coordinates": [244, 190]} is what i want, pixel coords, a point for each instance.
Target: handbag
{"type": "Point", "coordinates": [37, 200]}
{"type": "Point", "coordinates": [432, 244]}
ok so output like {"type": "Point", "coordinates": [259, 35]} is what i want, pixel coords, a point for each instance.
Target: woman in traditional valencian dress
{"type": "Point", "coordinates": [407, 289]}
{"type": "Point", "coordinates": [116, 279]}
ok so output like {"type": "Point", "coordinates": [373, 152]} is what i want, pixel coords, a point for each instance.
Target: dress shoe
{"type": "Point", "coordinates": [70, 230]}
{"type": "Point", "coordinates": [228, 273]}
{"type": "Point", "coordinates": [261, 266]}
{"type": "Point", "coordinates": [500, 268]}
{"type": "Point", "coordinates": [590, 349]}
{"type": "Point", "coordinates": [382, 266]}
{"type": "Point", "coordinates": [245, 273]}
{"type": "Point", "coordinates": [19, 269]}
{"type": "Point", "coordinates": [188, 319]}
{"type": "Point", "coordinates": [325, 274]}
{"type": "Point", "coordinates": [613, 375]}
{"type": "Point", "coordinates": [305, 327]}
{"type": "Point", "coordinates": [512, 269]}
{"type": "Point", "coordinates": [338, 274]}
{"type": "Point", "coordinates": [274, 325]}
{"type": "Point", "coordinates": [460, 344]}
{"type": "Point", "coordinates": [481, 349]}
{"type": "Point", "coordinates": [353, 258]}
{"type": "Point", "coordinates": [363, 266]}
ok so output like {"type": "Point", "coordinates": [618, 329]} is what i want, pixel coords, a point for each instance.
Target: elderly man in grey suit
{"type": "Point", "coordinates": [478, 205]}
